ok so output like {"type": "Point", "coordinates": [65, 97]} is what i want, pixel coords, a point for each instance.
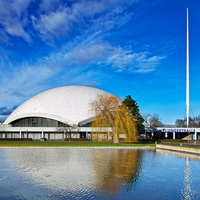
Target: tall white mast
{"type": "Point", "coordinates": [187, 76]}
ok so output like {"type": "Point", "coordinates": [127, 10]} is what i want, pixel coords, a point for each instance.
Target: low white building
{"type": "Point", "coordinates": [180, 133]}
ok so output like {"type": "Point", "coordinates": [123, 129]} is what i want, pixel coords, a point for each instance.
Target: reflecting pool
{"type": "Point", "coordinates": [97, 173]}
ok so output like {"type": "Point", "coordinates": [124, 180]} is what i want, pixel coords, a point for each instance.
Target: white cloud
{"type": "Point", "coordinates": [11, 17]}
{"type": "Point", "coordinates": [16, 86]}
{"type": "Point", "coordinates": [145, 62]}
{"type": "Point", "coordinates": [102, 54]}
{"type": "Point", "coordinates": [85, 62]}
{"type": "Point", "coordinates": [57, 18]}
{"type": "Point", "coordinates": [55, 23]}
{"type": "Point", "coordinates": [15, 28]}
{"type": "Point", "coordinates": [78, 60]}
{"type": "Point", "coordinates": [128, 61]}
{"type": "Point", "coordinates": [87, 54]}
{"type": "Point", "coordinates": [49, 6]}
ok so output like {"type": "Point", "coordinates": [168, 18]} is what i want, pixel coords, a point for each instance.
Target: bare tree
{"type": "Point", "coordinates": [193, 122]}
{"type": "Point", "coordinates": [180, 123]}
{"type": "Point", "coordinates": [67, 130]}
{"type": "Point", "coordinates": [155, 121]}
{"type": "Point", "coordinates": [196, 121]}
{"type": "Point", "coordinates": [111, 112]}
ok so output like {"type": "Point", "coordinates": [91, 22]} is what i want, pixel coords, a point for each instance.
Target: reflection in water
{"type": "Point", "coordinates": [187, 181]}
{"type": "Point", "coordinates": [180, 154]}
{"type": "Point", "coordinates": [59, 169]}
{"type": "Point", "coordinates": [187, 192]}
{"type": "Point", "coordinates": [89, 173]}
{"type": "Point", "coordinates": [82, 169]}
{"type": "Point", "coordinates": [118, 168]}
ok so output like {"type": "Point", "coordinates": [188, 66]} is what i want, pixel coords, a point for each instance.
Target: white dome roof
{"type": "Point", "coordinates": [68, 104]}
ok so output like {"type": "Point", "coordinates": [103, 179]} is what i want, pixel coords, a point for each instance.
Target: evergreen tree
{"type": "Point", "coordinates": [134, 110]}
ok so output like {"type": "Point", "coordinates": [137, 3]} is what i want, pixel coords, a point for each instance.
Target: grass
{"type": "Point", "coordinates": [65, 144]}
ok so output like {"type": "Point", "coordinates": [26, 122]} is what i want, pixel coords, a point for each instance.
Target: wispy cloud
{"type": "Point", "coordinates": [50, 19]}
{"type": "Point", "coordinates": [55, 20]}
{"type": "Point", "coordinates": [6, 111]}
{"type": "Point", "coordinates": [86, 55]}
{"type": "Point", "coordinates": [12, 18]}
{"type": "Point", "coordinates": [23, 81]}
{"type": "Point", "coordinates": [52, 24]}
{"type": "Point", "coordinates": [129, 61]}
{"type": "Point", "coordinates": [120, 59]}
{"type": "Point", "coordinates": [81, 57]}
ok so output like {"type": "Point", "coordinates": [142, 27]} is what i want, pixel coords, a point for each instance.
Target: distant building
{"type": "Point", "coordinates": [168, 132]}
{"type": "Point", "coordinates": [178, 133]}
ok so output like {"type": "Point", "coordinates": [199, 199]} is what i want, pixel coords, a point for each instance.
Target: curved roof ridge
{"type": "Point", "coordinates": [68, 104]}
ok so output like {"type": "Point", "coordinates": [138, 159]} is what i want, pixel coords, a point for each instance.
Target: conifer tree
{"type": "Point", "coordinates": [134, 109]}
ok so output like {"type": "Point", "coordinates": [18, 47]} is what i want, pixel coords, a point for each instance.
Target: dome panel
{"type": "Point", "coordinates": [68, 104]}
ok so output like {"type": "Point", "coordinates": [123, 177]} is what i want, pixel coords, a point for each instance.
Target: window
{"type": "Point", "coordinates": [37, 122]}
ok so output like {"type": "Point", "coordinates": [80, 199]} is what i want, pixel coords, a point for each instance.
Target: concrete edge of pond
{"type": "Point", "coordinates": [84, 147]}
{"type": "Point", "coordinates": [178, 149]}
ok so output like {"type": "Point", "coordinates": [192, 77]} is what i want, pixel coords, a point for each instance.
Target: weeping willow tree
{"type": "Point", "coordinates": [111, 112]}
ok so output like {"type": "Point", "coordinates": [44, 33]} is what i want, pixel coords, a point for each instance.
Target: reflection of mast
{"type": "Point", "coordinates": [187, 180]}
{"type": "Point", "coordinates": [187, 76]}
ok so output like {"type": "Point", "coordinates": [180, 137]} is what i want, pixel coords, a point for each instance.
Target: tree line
{"type": "Point", "coordinates": [193, 122]}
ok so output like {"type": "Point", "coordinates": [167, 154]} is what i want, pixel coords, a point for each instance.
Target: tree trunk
{"type": "Point", "coordinates": [115, 138]}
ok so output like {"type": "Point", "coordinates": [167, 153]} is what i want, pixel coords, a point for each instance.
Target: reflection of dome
{"type": "Point", "coordinates": [78, 171]}
{"type": "Point", "coordinates": [67, 104]}
{"type": "Point", "coordinates": [61, 169]}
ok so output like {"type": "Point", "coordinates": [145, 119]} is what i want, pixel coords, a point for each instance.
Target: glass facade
{"type": "Point", "coordinates": [87, 125]}
{"type": "Point", "coordinates": [37, 122]}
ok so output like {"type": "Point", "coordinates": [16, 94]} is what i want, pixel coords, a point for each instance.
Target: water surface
{"type": "Point", "coordinates": [90, 173]}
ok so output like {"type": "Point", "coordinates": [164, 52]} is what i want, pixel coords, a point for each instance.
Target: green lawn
{"type": "Point", "coordinates": [63, 144]}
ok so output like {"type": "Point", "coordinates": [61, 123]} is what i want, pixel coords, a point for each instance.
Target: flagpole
{"type": "Point", "coordinates": [187, 76]}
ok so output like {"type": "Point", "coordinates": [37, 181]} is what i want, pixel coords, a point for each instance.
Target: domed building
{"type": "Point", "coordinates": [57, 113]}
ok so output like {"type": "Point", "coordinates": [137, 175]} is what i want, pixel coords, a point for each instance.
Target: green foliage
{"type": "Point", "coordinates": [131, 104]}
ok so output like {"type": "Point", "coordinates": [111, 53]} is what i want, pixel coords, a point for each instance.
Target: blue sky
{"type": "Point", "coordinates": [126, 47]}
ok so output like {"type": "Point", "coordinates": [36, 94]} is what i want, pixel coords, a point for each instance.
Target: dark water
{"type": "Point", "coordinates": [89, 173]}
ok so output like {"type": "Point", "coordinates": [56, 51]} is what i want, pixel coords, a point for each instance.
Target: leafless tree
{"type": "Point", "coordinates": [68, 130]}
{"type": "Point", "coordinates": [193, 122]}
{"type": "Point", "coordinates": [155, 121]}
